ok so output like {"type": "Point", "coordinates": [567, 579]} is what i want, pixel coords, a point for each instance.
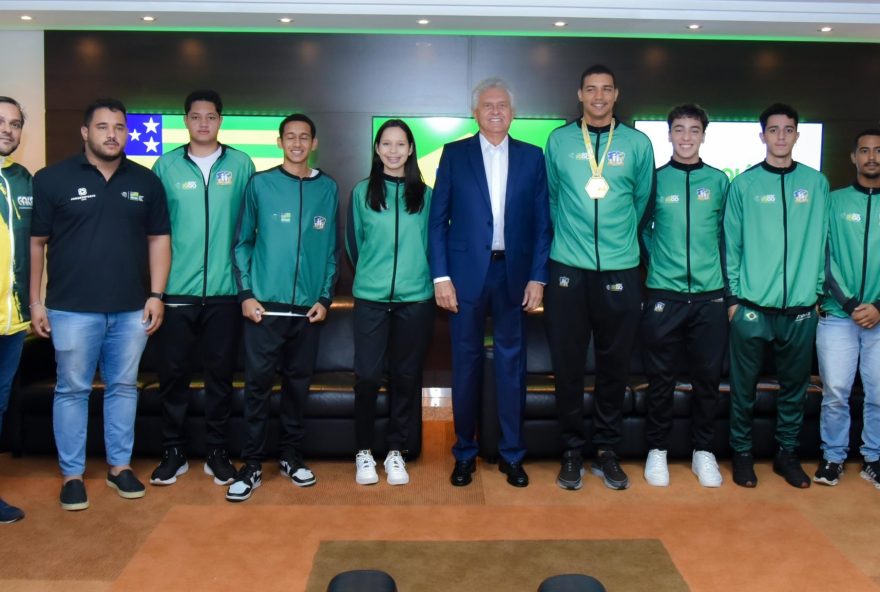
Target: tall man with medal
{"type": "Point", "coordinates": [601, 176]}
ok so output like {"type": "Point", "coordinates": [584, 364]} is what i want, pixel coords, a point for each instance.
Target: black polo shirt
{"type": "Point", "coordinates": [97, 250]}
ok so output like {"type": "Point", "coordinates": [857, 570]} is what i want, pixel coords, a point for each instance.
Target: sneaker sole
{"type": "Point", "coordinates": [618, 485]}
{"type": "Point", "coordinates": [655, 483]}
{"type": "Point", "coordinates": [798, 485]}
{"type": "Point", "coordinates": [398, 481]}
{"type": "Point", "coordinates": [572, 485]}
{"type": "Point", "coordinates": [824, 481]}
{"type": "Point", "coordinates": [371, 480]}
{"type": "Point", "coordinates": [217, 481]}
{"type": "Point", "coordinates": [75, 507]}
{"type": "Point", "coordinates": [308, 483]}
{"type": "Point", "coordinates": [714, 483]}
{"type": "Point", "coordinates": [183, 469]}
{"type": "Point", "coordinates": [14, 520]}
{"type": "Point", "coordinates": [125, 494]}
{"type": "Point", "coordinates": [241, 498]}
{"type": "Point", "coordinates": [869, 479]}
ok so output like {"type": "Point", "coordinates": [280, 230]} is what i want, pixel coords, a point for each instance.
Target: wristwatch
{"type": "Point", "coordinates": [159, 295]}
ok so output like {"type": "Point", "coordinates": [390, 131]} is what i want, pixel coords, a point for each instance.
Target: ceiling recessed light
{"type": "Point", "coordinates": [285, 20]}
{"type": "Point", "coordinates": [26, 17]}
{"type": "Point", "coordinates": [423, 22]}
{"type": "Point", "coordinates": [826, 29]}
{"type": "Point", "coordinates": [148, 19]}
{"type": "Point", "coordinates": [560, 24]}
{"type": "Point", "coordinates": [694, 27]}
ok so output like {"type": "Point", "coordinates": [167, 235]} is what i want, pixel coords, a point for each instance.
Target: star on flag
{"type": "Point", "coordinates": [145, 134]}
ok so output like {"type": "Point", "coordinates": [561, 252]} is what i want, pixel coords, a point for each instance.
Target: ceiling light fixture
{"type": "Point", "coordinates": [26, 17]}
{"type": "Point", "coordinates": [826, 29]}
{"type": "Point", "coordinates": [285, 20]}
{"type": "Point", "coordinates": [423, 22]}
{"type": "Point", "coordinates": [694, 27]}
{"type": "Point", "coordinates": [148, 19]}
{"type": "Point", "coordinates": [560, 24]}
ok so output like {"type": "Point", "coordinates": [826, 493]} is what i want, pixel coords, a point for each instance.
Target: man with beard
{"type": "Point", "coordinates": [847, 338]}
{"type": "Point", "coordinates": [105, 223]}
{"type": "Point", "coordinates": [15, 184]}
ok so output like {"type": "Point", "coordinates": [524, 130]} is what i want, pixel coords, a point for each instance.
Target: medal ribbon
{"type": "Point", "coordinates": [595, 166]}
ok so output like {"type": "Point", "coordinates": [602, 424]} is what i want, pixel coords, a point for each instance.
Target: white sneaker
{"type": "Point", "coordinates": [395, 468]}
{"type": "Point", "coordinates": [656, 471]}
{"type": "Point", "coordinates": [366, 468]}
{"type": "Point", "coordinates": [705, 467]}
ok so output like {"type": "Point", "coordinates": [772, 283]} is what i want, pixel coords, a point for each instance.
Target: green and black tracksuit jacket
{"type": "Point", "coordinates": [203, 218]}
{"type": "Point", "coordinates": [15, 214]}
{"type": "Point", "coordinates": [389, 249]}
{"type": "Point", "coordinates": [775, 225]}
{"type": "Point", "coordinates": [599, 234]}
{"type": "Point", "coordinates": [852, 268]}
{"type": "Point", "coordinates": [285, 248]}
{"type": "Point", "coordinates": [683, 234]}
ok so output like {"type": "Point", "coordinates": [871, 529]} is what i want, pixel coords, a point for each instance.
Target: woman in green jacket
{"type": "Point", "coordinates": [387, 241]}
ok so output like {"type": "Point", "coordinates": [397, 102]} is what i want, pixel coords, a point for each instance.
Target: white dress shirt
{"type": "Point", "coordinates": [495, 165]}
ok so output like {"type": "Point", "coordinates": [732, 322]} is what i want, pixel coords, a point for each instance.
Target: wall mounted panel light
{"type": "Point", "coordinates": [26, 17]}
{"type": "Point", "coordinates": [423, 22]}
{"type": "Point", "coordinates": [148, 19]}
{"type": "Point", "coordinates": [560, 24]}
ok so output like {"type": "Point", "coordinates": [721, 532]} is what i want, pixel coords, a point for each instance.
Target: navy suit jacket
{"type": "Point", "coordinates": [460, 225]}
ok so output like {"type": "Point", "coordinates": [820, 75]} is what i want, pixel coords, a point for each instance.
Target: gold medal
{"type": "Point", "coordinates": [596, 187]}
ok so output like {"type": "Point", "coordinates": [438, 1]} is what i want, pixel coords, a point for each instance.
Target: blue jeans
{"type": "Point", "coordinates": [843, 346]}
{"type": "Point", "coordinates": [10, 354]}
{"type": "Point", "coordinates": [82, 341]}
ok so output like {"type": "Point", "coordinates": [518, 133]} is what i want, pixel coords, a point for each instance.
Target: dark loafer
{"type": "Point", "coordinates": [516, 474]}
{"type": "Point", "coordinates": [461, 474]}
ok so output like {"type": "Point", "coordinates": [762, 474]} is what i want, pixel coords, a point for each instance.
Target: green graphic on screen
{"type": "Point", "coordinates": [431, 133]}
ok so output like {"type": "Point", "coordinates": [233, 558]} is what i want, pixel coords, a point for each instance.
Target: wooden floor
{"type": "Point", "coordinates": [186, 537]}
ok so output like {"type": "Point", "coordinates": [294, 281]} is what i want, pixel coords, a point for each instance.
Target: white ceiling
{"type": "Point", "coordinates": [854, 20]}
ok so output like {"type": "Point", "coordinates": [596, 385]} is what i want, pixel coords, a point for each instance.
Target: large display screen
{"type": "Point", "coordinates": [734, 146]}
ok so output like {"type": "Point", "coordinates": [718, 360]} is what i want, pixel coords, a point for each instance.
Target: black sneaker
{"type": "Point", "coordinates": [571, 472]}
{"type": "Point", "coordinates": [126, 484]}
{"type": "Point", "coordinates": [786, 464]}
{"type": "Point", "coordinates": [744, 469]}
{"type": "Point", "coordinates": [248, 478]}
{"type": "Point", "coordinates": [9, 514]}
{"type": "Point", "coordinates": [871, 473]}
{"type": "Point", "coordinates": [220, 467]}
{"type": "Point", "coordinates": [172, 466]}
{"type": "Point", "coordinates": [73, 496]}
{"type": "Point", "coordinates": [607, 467]}
{"type": "Point", "coordinates": [828, 472]}
{"type": "Point", "coordinates": [296, 470]}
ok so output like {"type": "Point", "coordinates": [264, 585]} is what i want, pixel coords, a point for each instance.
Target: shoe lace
{"type": "Point", "coordinates": [395, 462]}
{"type": "Point", "coordinates": [706, 460]}
{"type": "Point", "coordinates": [365, 461]}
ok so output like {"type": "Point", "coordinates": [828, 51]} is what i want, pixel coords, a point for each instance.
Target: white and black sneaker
{"type": "Point", "coordinates": [871, 473]}
{"type": "Point", "coordinates": [828, 472]}
{"type": "Point", "coordinates": [248, 479]}
{"type": "Point", "coordinates": [296, 470]}
{"type": "Point", "coordinates": [172, 466]}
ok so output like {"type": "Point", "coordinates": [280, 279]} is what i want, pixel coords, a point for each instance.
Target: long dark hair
{"type": "Point", "coordinates": [415, 186]}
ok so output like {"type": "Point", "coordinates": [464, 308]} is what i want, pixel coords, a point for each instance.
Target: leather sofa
{"type": "Point", "coordinates": [541, 428]}
{"type": "Point", "coordinates": [329, 412]}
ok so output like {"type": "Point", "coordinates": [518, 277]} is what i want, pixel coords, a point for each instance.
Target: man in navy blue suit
{"type": "Point", "coordinates": [489, 238]}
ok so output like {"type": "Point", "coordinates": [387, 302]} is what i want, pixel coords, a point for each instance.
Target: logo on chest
{"type": "Point", "coordinates": [82, 194]}
{"type": "Point", "coordinates": [133, 196]}
{"type": "Point", "coordinates": [671, 199]}
{"type": "Point", "coordinates": [801, 196]}
{"type": "Point", "coordinates": [25, 202]}
{"type": "Point", "coordinates": [319, 222]}
{"type": "Point", "coordinates": [616, 158]}
{"type": "Point", "coordinates": [224, 177]}
{"type": "Point", "coordinates": [704, 194]}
